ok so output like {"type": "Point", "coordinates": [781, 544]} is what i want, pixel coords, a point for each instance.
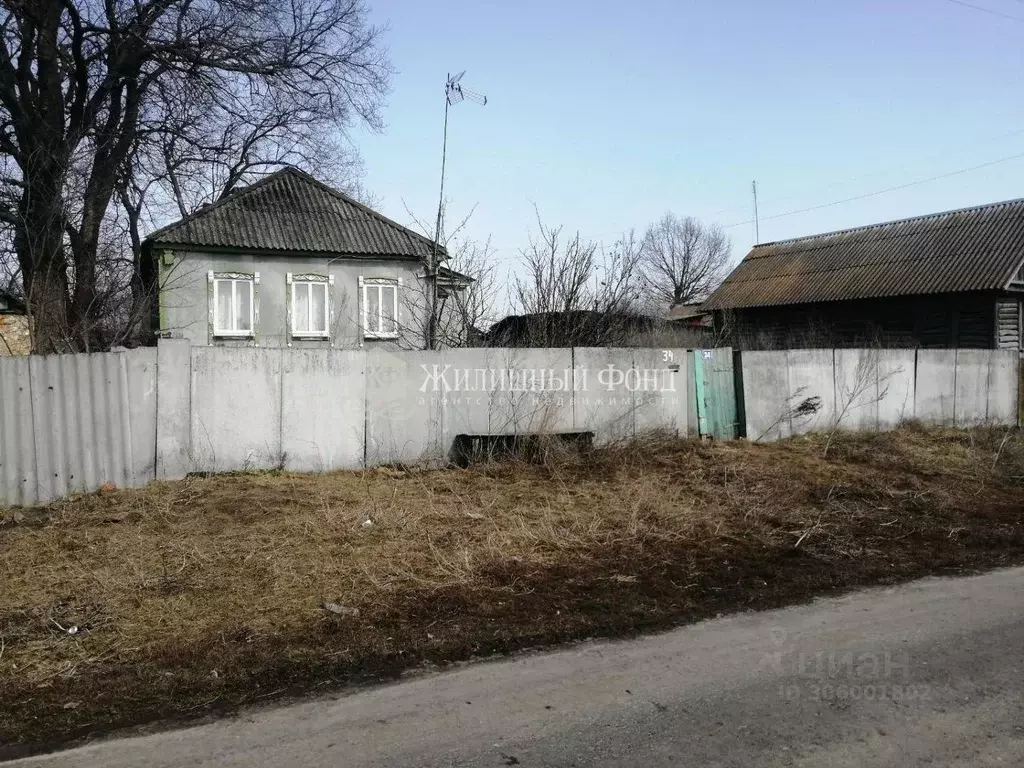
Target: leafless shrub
{"type": "Point", "coordinates": [870, 385]}
{"type": "Point", "coordinates": [796, 406]}
{"type": "Point", "coordinates": [467, 287]}
{"type": "Point", "coordinates": [572, 293]}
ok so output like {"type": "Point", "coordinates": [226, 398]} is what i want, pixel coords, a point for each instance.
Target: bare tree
{"type": "Point", "coordinates": [467, 286]}
{"type": "Point", "coordinates": [85, 85]}
{"type": "Point", "coordinates": [683, 260]}
{"type": "Point", "coordinates": [468, 297]}
{"type": "Point", "coordinates": [572, 291]}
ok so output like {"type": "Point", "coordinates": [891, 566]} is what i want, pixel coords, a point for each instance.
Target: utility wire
{"type": "Point", "coordinates": [866, 195]}
{"type": "Point", "coordinates": [864, 176]}
{"type": "Point", "coordinates": [849, 180]}
{"type": "Point", "coordinates": [989, 11]}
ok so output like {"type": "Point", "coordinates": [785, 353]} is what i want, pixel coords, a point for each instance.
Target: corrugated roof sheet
{"type": "Point", "coordinates": [685, 311]}
{"type": "Point", "coordinates": [291, 211]}
{"type": "Point", "coordinates": [967, 250]}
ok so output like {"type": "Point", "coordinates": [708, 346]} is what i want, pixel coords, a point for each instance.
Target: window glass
{"type": "Point", "coordinates": [387, 293]}
{"type": "Point", "coordinates": [243, 305]}
{"type": "Point", "coordinates": [300, 311]}
{"type": "Point", "coordinates": [318, 319]}
{"type": "Point", "coordinates": [222, 316]}
{"type": "Point", "coordinates": [373, 308]}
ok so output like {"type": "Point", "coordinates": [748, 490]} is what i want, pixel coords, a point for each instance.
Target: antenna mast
{"type": "Point", "coordinates": [757, 223]}
{"type": "Point", "coordinates": [454, 92]}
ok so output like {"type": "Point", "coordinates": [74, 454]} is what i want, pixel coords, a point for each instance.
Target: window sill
{"type": "Point", "coordinates": [234, 335]}
{"type": "Point", "coordinates": [380, 337]}
{"type": "Point", "coordinates": [311, 336]}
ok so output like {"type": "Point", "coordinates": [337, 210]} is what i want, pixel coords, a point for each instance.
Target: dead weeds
{"type": "Point", "coordinates": [181, 598]}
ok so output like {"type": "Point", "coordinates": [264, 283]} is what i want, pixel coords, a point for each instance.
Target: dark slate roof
{"type": "Point", "coordinates": [290, 211]}
{"type": "Point", "coordinates": [574, 328]}
{"type": "Point", "coordinates": [972, 249]}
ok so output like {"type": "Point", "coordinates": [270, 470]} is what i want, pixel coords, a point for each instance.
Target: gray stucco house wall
{"type": "Point", "coordinates": [288, 261]}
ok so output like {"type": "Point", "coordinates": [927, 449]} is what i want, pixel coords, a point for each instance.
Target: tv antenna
{"type": "Point", "coordinates": [454, 92]}
{"type": "Point", "coordinates": [757, 220]}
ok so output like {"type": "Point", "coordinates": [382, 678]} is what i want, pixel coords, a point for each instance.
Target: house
{"type": "Point", "coordinates": [15, 333]}
{"type": "Point", "coordinates": [950, 279]}
{"type": "Point", "coordinates": [289, 261]}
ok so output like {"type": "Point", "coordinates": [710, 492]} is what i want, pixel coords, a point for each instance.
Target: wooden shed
{"type": "Point", "coordinates": [946, 280]}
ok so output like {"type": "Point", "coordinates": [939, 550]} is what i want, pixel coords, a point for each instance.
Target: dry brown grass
{"type": "Point", "coordinates": [207, 593]}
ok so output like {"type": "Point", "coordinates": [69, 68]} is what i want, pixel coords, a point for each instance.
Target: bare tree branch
{"type": "Point", "coordinates": [683, 260]}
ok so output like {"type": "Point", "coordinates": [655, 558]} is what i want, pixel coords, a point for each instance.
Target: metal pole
{"type": "Point", "coordinates": [434, 266]}
{"type": "Point", "coordinates": [757, 223]}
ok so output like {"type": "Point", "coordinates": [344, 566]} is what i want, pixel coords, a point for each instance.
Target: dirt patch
{"type": "Point", "coordinates": [184, 598]}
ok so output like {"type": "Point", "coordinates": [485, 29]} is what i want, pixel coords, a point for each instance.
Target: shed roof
{"type": "Point", "coordinates": [972, 249]}
{"type": "Point", "coordinates": [686, 311]}
{"type": "Point", "coordinates": [290, 211]}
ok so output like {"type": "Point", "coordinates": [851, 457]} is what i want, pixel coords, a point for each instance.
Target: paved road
{"type": "Point", "coordinates": [931, 673]}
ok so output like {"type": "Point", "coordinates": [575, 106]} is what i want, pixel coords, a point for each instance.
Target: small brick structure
{"type": "Point", "coordinates": [15, 336]}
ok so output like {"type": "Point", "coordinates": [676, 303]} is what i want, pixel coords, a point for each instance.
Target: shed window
{"type": "Point", "coordinates": [234, 304]}
{"type": "Point", "coordinates": [380, 308]}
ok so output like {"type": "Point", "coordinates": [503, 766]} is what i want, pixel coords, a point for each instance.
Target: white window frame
{"type": "Point", "coordinates": [215, 279]}
{"type": "Point", "coordinates": [376, 283]}
{"type": "Point", "coordinates": [306, 280]}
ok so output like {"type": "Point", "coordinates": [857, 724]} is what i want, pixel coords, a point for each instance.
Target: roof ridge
{"type": "Point", "coordinates": [361, 206]}
{"type": "Point", "coordinates": [866, 227]}
{"type": "Point", "coordinates": [204, 209]}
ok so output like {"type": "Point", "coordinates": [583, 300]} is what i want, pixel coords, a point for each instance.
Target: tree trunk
{"type": "Point", "coordinates": [39, 243]}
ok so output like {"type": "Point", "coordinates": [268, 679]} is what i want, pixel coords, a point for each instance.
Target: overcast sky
{"type": "Point", "coordinates": [605, 115]}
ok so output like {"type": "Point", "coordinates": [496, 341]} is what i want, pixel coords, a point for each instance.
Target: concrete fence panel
{"type": "Point", "coordinates": [236, 409]}
{"type": "Point", "coordinates": [533, 405]}
{"type": "Point", "coordinates": [935, 386]}
{"type": "Point", "coordinates": [1003, 383]}
{"type": "Point", "coordinates": [766, 394]}
{"type": "Point", "coordinates": [970, 393]}
{"type": "Point", "coordinates": [174, 409]}
{"type": "Point", "coordinates": [896, 386]}
{"type": "Point", "coordinates": [323, 406]}
{"type": "Point", "coordinates": [596, 406]}
{"type": "Point", "coordinates": [403, 412]}
{"type": "Point", "coordinates": [874, 388]}
{"type": "Point", "coordinates": [812, 375]}
{"type": "Point", "coordinates": [659, 395]}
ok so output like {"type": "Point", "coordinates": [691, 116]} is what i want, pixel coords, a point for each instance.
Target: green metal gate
{"type": "Point", "coordinates": [715, 384]}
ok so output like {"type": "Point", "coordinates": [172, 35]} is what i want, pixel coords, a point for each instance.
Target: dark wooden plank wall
{"type": "Point", "coordinates": [970, 320]}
